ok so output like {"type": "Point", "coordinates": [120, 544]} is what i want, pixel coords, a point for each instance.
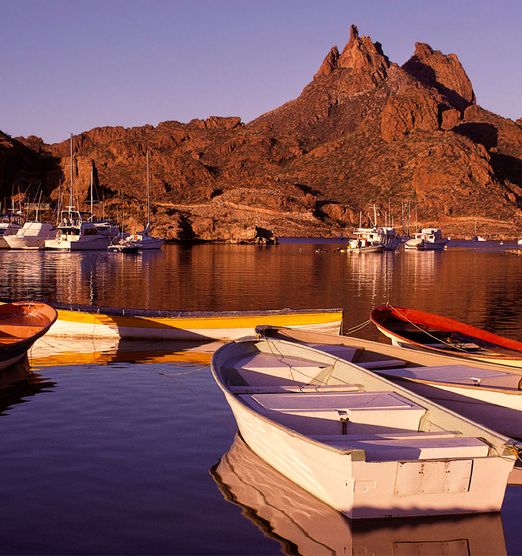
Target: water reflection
{"type": "Point", "coordinates": [304, 525]}
{"type": "Point", "coordinates": [54, 351]}
{"type": "Point", "coordinates": [481, 287]}
{"type": "Point", "coordinates": [18, 384]}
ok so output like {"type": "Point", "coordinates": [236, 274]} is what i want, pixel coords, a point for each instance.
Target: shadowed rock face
{"type": "Point", "coordinates": [363, 131]}
{"type": "Point", "coordinates": [444, 72]}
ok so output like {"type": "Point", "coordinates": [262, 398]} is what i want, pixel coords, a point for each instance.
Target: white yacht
{"type": "Point", "coordinates": [378, 238]}
{"type": "Point", "coordinates": [31, 235]}
{"type": "Point", "coordinates": [7, 228]}
{"type": "Point", "coordinates": [428, 239]}
{"type": "Point", "coordinates": [76, 234]}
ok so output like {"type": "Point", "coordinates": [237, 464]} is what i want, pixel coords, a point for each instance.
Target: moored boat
{"type": "Point", "coordinates": [421, 330]}
{"type": "Point", "coordinates": [31, 235]}
{"type": "Point", "coordinates": [21, 324]}
{"type": "Point", "coordinates": [360, 443]}
{"type": "Point", "coordinates": [7, 228]}
{"type": "Point", "coordinates": [143, 324]}
{"type": "Point", "coordinates": [428, 239]}
{"type": "Point", "coordinates": [486, 393]}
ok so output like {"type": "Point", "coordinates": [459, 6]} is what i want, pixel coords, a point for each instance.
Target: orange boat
{"type": "Point", "coordinates": [418, 329]}
{"type": "Point", "coordinates": [21, 324]}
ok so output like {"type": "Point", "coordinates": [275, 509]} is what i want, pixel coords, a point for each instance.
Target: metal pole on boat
{"type": "Point", "coordinates": [148, 192]}
{"type": "Point", "coordinates": [71, 192]}
{"type": "Point", "coordinates": [92, 185]}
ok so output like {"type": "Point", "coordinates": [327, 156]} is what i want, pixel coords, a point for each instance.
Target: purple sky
{"type": "Point", "coordinates": [69, 66]}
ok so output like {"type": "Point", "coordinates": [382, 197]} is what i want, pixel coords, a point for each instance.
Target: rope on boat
{"type": "Point", "coordinates": [439, 340]}
{"type": "Point", "coordinates": [356, 328]}
{"type": "Point", "coordinates": [281, 358]}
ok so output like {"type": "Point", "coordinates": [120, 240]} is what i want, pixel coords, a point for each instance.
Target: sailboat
{"type": "Point", "coordinates": [143, 239]}
{"type": "Point", "coordinates": [75, 233]}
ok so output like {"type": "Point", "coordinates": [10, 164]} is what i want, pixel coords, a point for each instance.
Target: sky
{"type": "Point", "coordinates": [69, 65]}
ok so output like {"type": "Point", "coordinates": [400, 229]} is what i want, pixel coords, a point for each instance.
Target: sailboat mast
{"type": "Point", "coordinates": [71, 192]}
{"type": "Point", "coordinates": [148, 191]}
{"type": "Point", "coordinates": [92, 185]}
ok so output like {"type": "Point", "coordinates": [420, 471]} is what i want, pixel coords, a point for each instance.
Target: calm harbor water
{"type": "Point", "coordinates": [111, 448]}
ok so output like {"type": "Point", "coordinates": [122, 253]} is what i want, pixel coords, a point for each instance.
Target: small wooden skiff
{"type": "Point", "coordinates": [486, 393]}
{"type": "Point", "coordinates": [355, 440]}
{"type": "Point", "coordinates": [21, 324]}
{"type": "Point", "coordinates": [302, 524]}
{"type": "Point", "coordinates": [421, 330]}
{"type": "Point", "coordinates": [89, 321]}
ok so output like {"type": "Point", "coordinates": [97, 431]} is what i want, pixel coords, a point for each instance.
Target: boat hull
{"type": "Point", "coordinates": [21, 324]}
{"type": "Point", "coordinates": [185, 326]}
{"type": "Point", "coordinates": [361, 489]}
{"type": "Point", "coordinates": [343, 478]}
{"type": "Point", "coordinates": [90, 244]}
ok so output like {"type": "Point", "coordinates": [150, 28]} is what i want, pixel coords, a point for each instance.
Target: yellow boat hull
{"type": "Point", "coordinates": [189, 326]}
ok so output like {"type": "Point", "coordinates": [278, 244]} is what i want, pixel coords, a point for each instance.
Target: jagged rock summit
{"type": "Point", "coordinates": [364, 131]}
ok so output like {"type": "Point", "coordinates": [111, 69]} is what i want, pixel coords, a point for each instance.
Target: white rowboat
{"type": "Point", "coordinates": [360, 443]}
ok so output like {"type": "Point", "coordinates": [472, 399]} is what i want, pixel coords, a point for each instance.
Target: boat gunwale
{"type": "Point", "coordinates": [382, 313]}
{"type": "Point", "coordinates": [161, 313]}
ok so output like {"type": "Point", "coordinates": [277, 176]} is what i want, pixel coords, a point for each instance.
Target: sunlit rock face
{"type": "Point", "coordinates": [364, 131]}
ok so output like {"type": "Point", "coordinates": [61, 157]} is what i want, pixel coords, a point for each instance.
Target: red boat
{"type": "Point", "coordinates": [21, 324]}
{"type": "Point", "coordinates": [418, 329]}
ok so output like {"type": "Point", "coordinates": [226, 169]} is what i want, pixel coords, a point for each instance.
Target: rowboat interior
{"type": "Point", "coordinates": [346, 407]}
{"type": "Point", "coordinates": [23, 320]}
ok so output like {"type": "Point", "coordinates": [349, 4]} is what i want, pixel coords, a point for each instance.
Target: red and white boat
{"type": "Point", "coordinates": [421, 330]}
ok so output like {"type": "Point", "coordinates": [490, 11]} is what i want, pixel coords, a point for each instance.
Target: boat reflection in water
{"type": "Point", "coordinates": [302, 524]}
{"type": "Point", "coordinates": [54, 351]}
{"type": "Point", "coordinates": [18, 383]}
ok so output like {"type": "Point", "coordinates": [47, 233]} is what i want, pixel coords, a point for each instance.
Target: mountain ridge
{"type": "Point", "coordinates": [364, 131]}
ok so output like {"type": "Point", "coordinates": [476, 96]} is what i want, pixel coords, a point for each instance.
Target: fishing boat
{"type": "Point", "coordinates": [302, 524]}
{"type": "Point", "coordinates": [421, 330]}
{"type": "Point", "coordinates": [360, 443]}
{"type": "Point", "coordinates": [89, 321]}
{"type": "Point", "coordinates": [486, 393]}
{"type": "Point", "coordinates": [21, 324]}
{"type": "Point", "coordinates": [76, 233]}
{"type": "Point", "coordinates": [428, 239]}
{"type": "Point", "coordinates": [80, 231]}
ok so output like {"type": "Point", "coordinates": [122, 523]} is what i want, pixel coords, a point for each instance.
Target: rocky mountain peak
{"type": "Point", "coordinates": [444, 72]}
{"type": "Point", "coordinates": [362, 55]}
{"type": "Point", "coordinates": [329, 63]}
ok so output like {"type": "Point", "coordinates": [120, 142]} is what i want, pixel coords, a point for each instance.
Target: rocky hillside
{"type": "Point", "coordinates": [364, 131]}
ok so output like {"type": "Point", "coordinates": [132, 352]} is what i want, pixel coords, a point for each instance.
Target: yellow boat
{"type": "Point", "coordinates": [86, 321]}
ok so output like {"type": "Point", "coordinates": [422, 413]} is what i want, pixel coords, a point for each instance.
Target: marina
{"type": "Point", "coordinates": [133, 420]}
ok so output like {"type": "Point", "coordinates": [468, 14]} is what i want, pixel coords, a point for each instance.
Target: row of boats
{"type": "Point", "coordinates": [76, 231]}
{"type": "Point", "coordinates": [423, 427]}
